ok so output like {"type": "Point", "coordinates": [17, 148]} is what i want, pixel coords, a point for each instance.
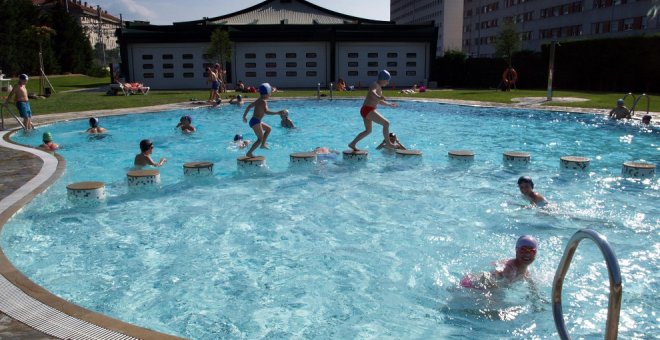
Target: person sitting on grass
{"type": "Point", "coordinates": [620, 111]}
{"type": "Point", "coordinates": [185, 124]}
{"type": "Point", "coordinates": [48, 144]}
{"type": "Point", "coordinates": [341, 85]}
{"type": "Point", "coordinates": [94, 126]}
{"type": "Point", "coordinates": [394, 141]}
{"type": "Point", "coordinates": [144, 157]}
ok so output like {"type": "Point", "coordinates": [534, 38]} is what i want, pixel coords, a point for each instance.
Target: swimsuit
{"type": "Point", "coordinates": [24, 109]}
{"type": "Point", "coordinates": [215, 85]}
{"type": "Point", "coordinates": [365, 109]}
{"type": "Point", "coordinates": [254, 121]}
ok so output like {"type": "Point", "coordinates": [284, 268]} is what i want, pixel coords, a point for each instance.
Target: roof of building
{"type": "Point", "coordinates": [275, 12]}
{"type": "Point", "coordinates": [77, 7]}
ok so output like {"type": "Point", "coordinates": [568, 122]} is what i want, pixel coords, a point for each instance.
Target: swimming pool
{"type": "Point", "coordinates": [342, 250]}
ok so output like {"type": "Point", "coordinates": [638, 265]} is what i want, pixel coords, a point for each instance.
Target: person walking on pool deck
{"type": "Point", "coordinates": [262, 130]}
{"type": "Point", "coordinates": [22, 103]}
{"type": "Point", "coordinates": [369, 113]}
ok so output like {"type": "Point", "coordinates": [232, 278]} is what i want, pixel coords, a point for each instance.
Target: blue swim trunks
{"type": "Point", "coordinates": [24, 109]}
{"type": "Point", "coordinates": [215, 85]}
{"type": "Point", "coordinates": [254, 121]}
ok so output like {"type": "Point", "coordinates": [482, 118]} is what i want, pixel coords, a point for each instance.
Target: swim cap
{"type": "Point", "coordinates": [145, 145]}
{"type": "Point", "coordinates": [619, 101]}
{"type": "Point", "coordinates": [239, 97]}
{"type": "Point", "coordinates": [23, 77]}
{"type": "Point", "coordinates": [186, 117]}
{"type": "Point", "coordinates": [384, 75]}
{"type": "Point", "coordinates": [94, 122]}
{"type": "Point", "coordinates": [526, 179]}
{"type": "Point", "coordinates": [47, 137]}
{"type": "Point", "coordinates": [265, 89]}
{"type": "Point", "coordinates": [238, 137]}
{"type": "Point", "coordinates": [527, 241]}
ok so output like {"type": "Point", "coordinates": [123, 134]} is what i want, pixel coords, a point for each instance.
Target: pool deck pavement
{"type": "Point", "coordinates": [19, 167]}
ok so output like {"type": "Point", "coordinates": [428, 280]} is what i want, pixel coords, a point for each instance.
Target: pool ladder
{"type": "Point", "coordinates": [636, 100]}
{"type": "Point", "coordinates": [2, 117]}
{"type": "Point", "coordinates": [614, 304]}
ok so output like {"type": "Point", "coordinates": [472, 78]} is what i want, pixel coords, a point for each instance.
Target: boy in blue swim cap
{"type": "Point", "coordinates": [22, 101]}
{"type": "Point", "coordinates": [369, 113]}
{"type": "Point", "coordinates": [261, 129]}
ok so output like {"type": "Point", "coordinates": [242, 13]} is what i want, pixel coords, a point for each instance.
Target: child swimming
{"type": "Point", "coordinates": [48, 144]}
{"type": "Point", "coordinates": [526, 186]}
{"type": "Point", "coordinates": [513, 270]}
{"type": "Point", "coordinates": [184, 124]}
{"type": "Point", "coordinates": [369, 113]}
{"type": "Point", "coordinates": [286, 122]}
{"type": "Point", "coordinates": [144, 157]}
{"type": "Point", "coordinates": [261, 129]}
{"type": "Point", "coordinates": [94, 126]}
{"type": "Point", "coordinates": [239, 142]}
{"type": "Point", "coordinates": [394, 141]}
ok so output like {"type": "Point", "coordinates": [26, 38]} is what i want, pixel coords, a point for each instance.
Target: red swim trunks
{"type": "Point", "coordinates": [364, 110]}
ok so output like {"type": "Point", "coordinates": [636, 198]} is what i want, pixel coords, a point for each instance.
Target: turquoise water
{"type": "Point", "coordinates": [341, 250]}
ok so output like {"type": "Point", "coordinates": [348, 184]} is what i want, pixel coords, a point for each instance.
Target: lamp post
{"type": "Point", "coordinates": [551, 68]}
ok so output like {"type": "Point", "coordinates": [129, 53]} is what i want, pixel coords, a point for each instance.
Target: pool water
{"type": "Point", "coordinates": [342, 250]}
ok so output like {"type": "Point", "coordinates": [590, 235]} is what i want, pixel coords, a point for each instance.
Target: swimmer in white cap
{"type": "Point", "coordinates": [369, 113]}
{"type": "Point", "coordinates": [261, 129]}
{"type": "Point", "coordinates": [22, 102]}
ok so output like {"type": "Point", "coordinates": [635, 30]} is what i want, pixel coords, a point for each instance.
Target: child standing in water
{"type": "Point", "coordinates": [369, 113]}
{"type": "Point", "coordinates": [144, 157]}
{"type": "Point", "coordinates": [48, 144]}
{"type": "Point", "coordinates": [262, 130]}
{"type": "Point", "coordinates": [94, 126]}
{"type": "Point", "coordinates": [526, 186]}
{"type": "Point", "coordinates": [185, 124]}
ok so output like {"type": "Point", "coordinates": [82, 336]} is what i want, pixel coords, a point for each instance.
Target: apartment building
{"type": "Point", "coordinates": [538, 21]}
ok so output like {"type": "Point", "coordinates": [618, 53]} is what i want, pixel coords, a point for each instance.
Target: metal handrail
{"type": "Point", "coordinates": [636, 100]}
{"type": "Point", "coordinates": [2, 116]}
{"type": "Point", "coordinates": [614, 304]}
{"type": "Point", "coordinates": [626, 96]}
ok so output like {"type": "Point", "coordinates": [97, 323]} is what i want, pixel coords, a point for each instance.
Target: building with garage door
{"type": "Point", "coordinates": [288, 43]}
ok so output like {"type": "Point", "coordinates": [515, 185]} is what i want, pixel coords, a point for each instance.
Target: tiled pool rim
{"type": "Point", "coordinates": [27, 302]}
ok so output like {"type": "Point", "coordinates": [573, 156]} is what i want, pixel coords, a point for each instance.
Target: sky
{"type": "Point", "coordinates": [165, 12]}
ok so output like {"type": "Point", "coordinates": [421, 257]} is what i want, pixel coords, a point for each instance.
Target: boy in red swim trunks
{"type": "Point", "coordinates": [369, 113]}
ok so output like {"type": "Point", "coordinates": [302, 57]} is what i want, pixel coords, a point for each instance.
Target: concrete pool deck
{"type": "Point", "coordinates": [20, 166]}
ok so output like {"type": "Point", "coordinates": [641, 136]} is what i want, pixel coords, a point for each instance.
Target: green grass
{"type": "Point", "coordinates": [63, 101]}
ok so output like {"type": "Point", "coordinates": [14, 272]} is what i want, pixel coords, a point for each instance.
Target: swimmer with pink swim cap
{"type": "Point", "coordinates": [514, 269]}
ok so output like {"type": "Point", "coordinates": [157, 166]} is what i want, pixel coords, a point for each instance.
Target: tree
{"type": "Point", "coordinates": [73, 50]}
{"type": "Point", "coordinates": [508, 42]}
{"type": "Point", "coordinates": [220, 48]}
{"type": "Point", "coordinates": [17, 52]}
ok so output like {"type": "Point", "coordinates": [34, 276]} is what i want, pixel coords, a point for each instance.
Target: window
{"type": "Point", "coordinates": [188, 75]}
{"type": "Point", "coordinates": [271, 65]}
{"type": "Point", "coordinates": [148, 75]}
{"type": "Point", "coordinates": [291, 64]}
{"type": "Point", "coordinates": [372, 55]}
{"type": "Point", "coordinates": [311, 73]}
{"type": "Point", "coordinates": [168, 66]}
{"type": "Point", "coordinates": [250, 74]}
{"type": "Point", "coordinates": [250, 65]}
{"type": "Point", "coordinates": [352, 64]}
{"type": "Point", "coordinates": [147, 66]}
{"type": "Point", "coordinates": [391, 64]}
{"type": "Point", "coordinates": [188, 65]}
{"type": "Point", "coordinates": [168, 75]}
{"type": "Point", "coordinates": [187, 56]}
{"type": "Point", "coordinates": [411, 55]}
{"type": "Point", "coordinates": [411, 73]}
{"type": "Point", "coordinates": [147, 57]}
{"type": "Point", "coordinates": [353, 55]}
{"type": "Point", "coordinates": [271, 55]}
{"type": "Point", "coordinates": [310, 55]}
{"type": "Point", "coordinates": [250, 56]}
{"type": "Point", "coordinates": [291, 73]}
{"type": "Point", "coordinates": [411, 64]}
{"type": "Point", "coordinates": [393, 73]}
{"type": "Point", "coordinates": [271, 74]}
{"type": "Point", "coordinates": [372, 64]}
{"type": "Point", "coordinates": [373, 73]}
{"type": "Point", "coordinates": [353, 73]}
{"type": "Point", "coordinates": [392, 55]}
{"type": "Point", "coordinates": [310, 64]}
{"type": "Point", "coordinates": [290, 55]}
{"type": "Point", "coordinates": [168, 56]}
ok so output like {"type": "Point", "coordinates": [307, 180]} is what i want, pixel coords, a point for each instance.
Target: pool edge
{"type": "Point", "coordinates": [38, 312]}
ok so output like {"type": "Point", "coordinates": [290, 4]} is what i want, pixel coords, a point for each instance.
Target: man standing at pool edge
{"type": "Point", "coordinates": [22, 103]}
{"type": "Point", "coordinates": [369, 113]}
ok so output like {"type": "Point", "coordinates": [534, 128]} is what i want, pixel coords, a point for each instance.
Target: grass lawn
{"type": "Point", "coordinates": [94, 100]}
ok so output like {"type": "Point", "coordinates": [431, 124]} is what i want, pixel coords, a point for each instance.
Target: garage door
{"type": "Point", "coordinates": [285, 65]}
{"type": "Point", "coordinates": [358, 63]}
{"type": "Point", "coordinates": [169, 66]}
